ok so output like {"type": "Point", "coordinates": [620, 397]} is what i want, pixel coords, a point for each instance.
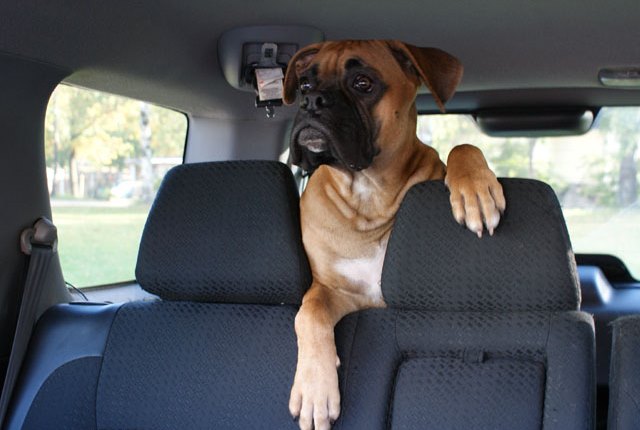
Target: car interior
{"type": "Point", "coordinates": [151, 255]}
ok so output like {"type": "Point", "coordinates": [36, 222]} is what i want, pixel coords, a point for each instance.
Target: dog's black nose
{"type": "Point", "coordinates": [314, 101]}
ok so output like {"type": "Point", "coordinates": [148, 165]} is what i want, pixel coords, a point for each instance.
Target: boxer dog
{"type": "Point", "coordinates": [356, 131]}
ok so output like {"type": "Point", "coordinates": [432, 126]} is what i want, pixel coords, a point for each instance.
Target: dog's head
{"type": "Point", "coordinates": [357, 98]}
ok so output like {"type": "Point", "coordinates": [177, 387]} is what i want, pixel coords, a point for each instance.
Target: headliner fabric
{"type": "Point", "coordinates": [225, 232]}
{"type": "Point", "coordinates": [432, 263]}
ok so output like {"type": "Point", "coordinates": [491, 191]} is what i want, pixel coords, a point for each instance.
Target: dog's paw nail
{"type": "Point", "coordinates": [479, 233]}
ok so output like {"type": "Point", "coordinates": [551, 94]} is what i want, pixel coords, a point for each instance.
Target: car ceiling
{"type": "Point", "coordinates": [516, 53]}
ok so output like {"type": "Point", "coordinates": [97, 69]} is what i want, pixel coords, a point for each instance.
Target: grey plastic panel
{"type": "Point", "coordinates": [217, 140]}
{"type": "Point", "coordinates": [565, 122]}
{"type": "Point", "coordinates": [25, 87]}
{"type": "Point", "coordinates": [231, 45]}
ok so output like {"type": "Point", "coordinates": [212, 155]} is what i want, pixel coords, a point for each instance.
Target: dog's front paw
{"type": "Point", "coordinates": [315, 397]}
{"type": "Point", "coordinates": [477, 199]}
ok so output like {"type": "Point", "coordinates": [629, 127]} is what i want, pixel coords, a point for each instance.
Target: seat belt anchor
{"type": "Point", "coordinates": [43, 233]}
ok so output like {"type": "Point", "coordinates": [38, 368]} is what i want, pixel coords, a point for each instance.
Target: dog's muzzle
{"type": "Point", "coordinates": [313, 140]}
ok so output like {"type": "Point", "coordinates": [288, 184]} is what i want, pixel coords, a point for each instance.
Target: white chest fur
{"type": "Point", "coordinates": [366, 272]}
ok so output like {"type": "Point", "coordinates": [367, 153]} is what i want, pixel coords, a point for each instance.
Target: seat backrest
{"type": "Point", "coordinates": [222, 249]}
{"type": "Point", "coordinates": [624, 379]}
{"type": "Point", "coordinates": [479, 333]}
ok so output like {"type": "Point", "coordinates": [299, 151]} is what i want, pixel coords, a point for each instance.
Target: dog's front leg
{"type": "Point", "coordinates": [315, 397]}
{"type": "Point", "coordinates": [476, 195]}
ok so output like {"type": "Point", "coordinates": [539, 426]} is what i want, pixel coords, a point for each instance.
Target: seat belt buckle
{"type": "Point", "coordinates": [43, 233]}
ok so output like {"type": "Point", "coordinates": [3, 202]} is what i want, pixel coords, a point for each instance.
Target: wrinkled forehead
{"type": "Point", "coordinates": [335, 57]}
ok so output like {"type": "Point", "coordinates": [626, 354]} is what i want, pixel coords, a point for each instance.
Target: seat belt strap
{"type": "Point", "coordinates": [40, 242]}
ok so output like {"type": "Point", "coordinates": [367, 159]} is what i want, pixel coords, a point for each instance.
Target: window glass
{"type": "Point", "coordinates": [594, 175]}
{"type": "Point", "coordinates": [106, 156]}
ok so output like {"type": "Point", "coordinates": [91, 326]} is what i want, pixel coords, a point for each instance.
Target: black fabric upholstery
{"type": "Point", "coordinates": [453, 387]}
{"type": "Point", "coordinates": [225, 232]}
{"type": "Point", "coordinates": [67, 399]}
{"type": "Point", "coordinates": [624, 385]}
{"type": "Point", "coordinates": [64, 350]}
{"type": "Point", "coordinates": [461, 370]}
{"type": "Point", "coordinates": [222, 247]}
{"type": "Point", "coordinates": [165, 365]}
{"type": "Point", "coordinates": [479, 333]}
{"type": "Point", "coordinates": [443, 356]}
{"type": "Point", "coordinates": [198, 366]}
{"type": "Point", "coordinates": [432, 263]}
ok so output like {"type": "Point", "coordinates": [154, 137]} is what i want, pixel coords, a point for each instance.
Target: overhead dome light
{"type": "Point", "coordinates": [620, 78]}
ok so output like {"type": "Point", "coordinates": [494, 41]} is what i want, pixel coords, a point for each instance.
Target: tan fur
{"type": "Point", "coordinates": [347, 217]}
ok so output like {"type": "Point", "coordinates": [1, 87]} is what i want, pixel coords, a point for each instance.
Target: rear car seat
{"type": "Point", "coordinates": [222, 249]}
{"type": "Point", "coordinates": [478, 333]}
{"type": "Point", "coordinates": [624, 384]}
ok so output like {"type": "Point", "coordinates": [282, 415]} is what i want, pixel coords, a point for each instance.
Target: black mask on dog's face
{"type": "Point", "coordinates": [339, 92]}
{"type": "Point", "coordinates": [335, 124]}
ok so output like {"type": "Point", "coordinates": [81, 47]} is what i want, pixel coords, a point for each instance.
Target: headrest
{"type": "Point", "coordinates": [225, 232]}
{"type": "Point", "coordinates": [432, 263]}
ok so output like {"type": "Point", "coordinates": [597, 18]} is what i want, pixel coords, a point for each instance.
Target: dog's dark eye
{"type": "Point", "coordinates": [362, 83]}
{"type": "Point", "coordinates": [305, 85]}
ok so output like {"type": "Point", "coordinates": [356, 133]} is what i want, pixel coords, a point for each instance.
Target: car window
{"type": "Point", "coordinates": [105, 156]}
{"type": "Point", "coordinates": [595, 175]}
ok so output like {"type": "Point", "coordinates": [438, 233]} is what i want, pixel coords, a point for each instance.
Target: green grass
{"type": "Point", "coordinates": [99, 245]}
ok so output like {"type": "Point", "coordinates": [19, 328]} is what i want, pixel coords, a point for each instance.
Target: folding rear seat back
{"type": "Point", "coordinates": [624, 383]}
{"type": "Point", "coordinates": [222, 249]}
{"type": "Point", "coordinates": [479, 333]}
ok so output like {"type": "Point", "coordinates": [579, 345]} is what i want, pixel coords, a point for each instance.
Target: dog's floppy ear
{"type": "Point", "coordinates": [440, 72]}
{"type": "Point", "coordinates": [298, 62]}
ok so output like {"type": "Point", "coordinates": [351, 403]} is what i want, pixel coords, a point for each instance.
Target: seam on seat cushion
{"type": "Point", "coordinates": [347, 371]}
{"type": "Point", "coordinates": [546, 367]}
{"type": "Point", "coordinates": [389, 413]}
{"type": "Point", "coordinates": [399, 361]}
{"type": "Point", "coordinates": [396, 344]}
{"type": "Point", "coordinates": [95, 397]}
